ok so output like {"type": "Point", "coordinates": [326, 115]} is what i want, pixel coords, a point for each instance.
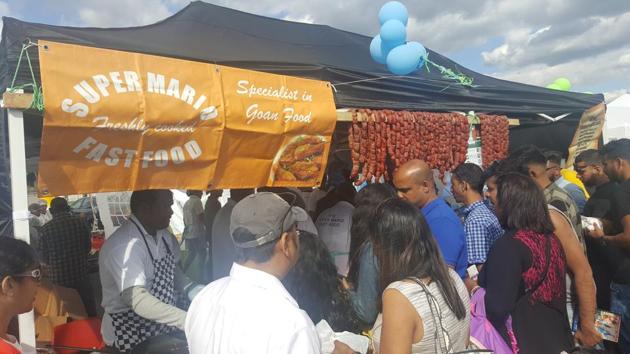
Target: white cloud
{"type": "Point", "coordinates": [304, 19]}
{"type": "Point", "coordinates": [613, 95]}
{"type": "Point", "coordinates": [583, 72]}
{"type": "Point", "coordinates": [4, 11]}
{"type": "Point", "coordinates": [121, 13]}
{"type": "Point", "coordinates": [560, 43]}
{"type": "Point", "coordinates": [178, 3]}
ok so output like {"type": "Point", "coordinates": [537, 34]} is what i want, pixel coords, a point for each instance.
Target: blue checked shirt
{"type": "Point", "coordinates": [482, 229]}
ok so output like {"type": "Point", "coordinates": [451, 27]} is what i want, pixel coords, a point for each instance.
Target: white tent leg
{"type": "Point", "coordinates": [17, 155]}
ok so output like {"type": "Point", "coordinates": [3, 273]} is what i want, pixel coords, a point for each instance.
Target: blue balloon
{"type": "Point", "coordinates": [421, 49]}
{"type": "Point", "coordinates": [404, 59]}
{"type": "Point", "coordinates": [393, 10]}
{"type": "Point", "coordinates": [393, 33]}
{"type": "Point", "coordinates": [379, 50]}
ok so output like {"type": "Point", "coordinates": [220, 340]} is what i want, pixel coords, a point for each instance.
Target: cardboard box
{"type": "Point", "coordinates": [55, 305]}
{"type": "Point", "coordinates": [53, 300]}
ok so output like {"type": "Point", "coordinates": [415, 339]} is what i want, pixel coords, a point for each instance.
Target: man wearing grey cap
{"type": "Point", "coordinates": [250, 311]}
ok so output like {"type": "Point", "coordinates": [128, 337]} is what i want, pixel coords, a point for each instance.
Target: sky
{"type": "Point", "coordinates": [529, 41]}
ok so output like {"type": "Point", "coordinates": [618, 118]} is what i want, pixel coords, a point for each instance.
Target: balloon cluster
{"type": "Point", "coordinates": [561, 84]}
{"type": "Point", "coordinates": [390, 47]}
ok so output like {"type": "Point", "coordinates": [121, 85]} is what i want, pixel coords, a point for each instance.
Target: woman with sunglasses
{"type": "Point", "coordinates": [19, 280]}
{"type": "Point", "coordinates": [425, 304]}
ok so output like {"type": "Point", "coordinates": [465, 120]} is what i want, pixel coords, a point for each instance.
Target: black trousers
{"type": "Point", "coordinates": [84, 288]}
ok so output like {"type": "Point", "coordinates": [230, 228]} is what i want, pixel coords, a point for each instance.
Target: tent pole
{"type": "Point", "coordinates": [17, 158]}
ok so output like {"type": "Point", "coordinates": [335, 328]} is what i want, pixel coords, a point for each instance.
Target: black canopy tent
{"type": "Point", "coordinates": [210, 33]}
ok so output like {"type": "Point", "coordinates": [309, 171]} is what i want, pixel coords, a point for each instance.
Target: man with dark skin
{"type": "Point", "coordinates": [617, 167]}
{"type": "Point", "coordinates": [589, 167]}
{"type": "Point", "coordinates": [141, 277]}
{"type": "Point", "coordinates": [414, 183]}
{"type": "Point", "coordinates": [554, 172]}
{"type": "Point", "coordinates": [65, 245]}
{"type": "Point", "coordinates": [616, 158]}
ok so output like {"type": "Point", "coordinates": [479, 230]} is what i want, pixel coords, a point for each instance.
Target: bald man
{"type": "Point", "coordinates": [414, 183]}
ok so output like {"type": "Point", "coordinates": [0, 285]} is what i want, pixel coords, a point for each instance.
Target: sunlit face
{"type": "Point", "coordinates": [585, 173]}
{"type": "Point", "coordinates": [612, 168]}
{"type": "Point", "coordinates": [161, 210]}
{"type": "Point", "coordinates": [491, 190]}
{"type": "Point", "coordinates": [410, 191]}
{"type": "Point", "coordinates": [20, 290]}
{"type": "Point", "coordinates": [458, 189]}
{"type": "Point", "coordinates": [553, 171]}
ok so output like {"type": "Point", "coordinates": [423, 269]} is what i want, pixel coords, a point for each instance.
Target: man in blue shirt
{"type": "Point", "coordinates": [414, 183]}
{"type": "Point", "coordinates": [481, 225]}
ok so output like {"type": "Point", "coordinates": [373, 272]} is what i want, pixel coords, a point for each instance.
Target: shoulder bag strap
{"type": "Point", "coordinates": [437, 318]}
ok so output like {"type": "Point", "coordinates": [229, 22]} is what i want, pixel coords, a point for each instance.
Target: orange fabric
{"type": "Point", "coordinates": [127, 121]}
{"type": "Point", "coordinates": [79, 334]}
{"type": "Point", "coordinates": [6, 348]}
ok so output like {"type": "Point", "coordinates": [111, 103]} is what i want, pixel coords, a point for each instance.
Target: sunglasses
{"type": "Point", "coordinates": [35, 274]}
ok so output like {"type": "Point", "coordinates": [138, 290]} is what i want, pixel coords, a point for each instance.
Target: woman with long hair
{"type": "Point", "coordinates": [362, 279]}
{"type": "Point", "coordinates": [425, 304]}
{"type": "Point", "coordinates": [524, 276]}
{"type": "Point", "coordinates": [19, 280]}
{"type": "Point", "coordinates": [315, 285]}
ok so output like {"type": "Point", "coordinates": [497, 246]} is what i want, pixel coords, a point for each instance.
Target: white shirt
{"type": "Point", "coordinates": [192, 209]}
{"type": "Point", "coordinates": [124, 262]}
{"type": "Point", "coordinates": [248, 312]}
{"type": "Point", "coordinates": [334, 225]}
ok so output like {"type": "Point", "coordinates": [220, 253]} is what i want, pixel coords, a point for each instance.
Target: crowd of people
{"type": "Point", "coordinates": [394, 261]}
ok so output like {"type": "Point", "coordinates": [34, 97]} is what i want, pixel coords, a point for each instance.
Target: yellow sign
{"type": "Point", "coordinates": [127, 121]}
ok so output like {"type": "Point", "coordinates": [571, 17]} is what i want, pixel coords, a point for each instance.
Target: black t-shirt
{"type": "Point", "coordinates": [621, 200]}
{"type": "Point", "coordinates": [603, 258]}
{"type": "Point", "coordinates": [599, 205]}
{"type": "Point", "coordinates": [621, 208]}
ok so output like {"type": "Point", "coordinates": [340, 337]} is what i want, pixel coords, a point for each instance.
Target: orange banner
{"type": "Point", "coordinates": [127, 121]}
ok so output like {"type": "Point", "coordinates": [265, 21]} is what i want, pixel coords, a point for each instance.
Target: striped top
{"type": "Point", "coordinates": [454, 334]}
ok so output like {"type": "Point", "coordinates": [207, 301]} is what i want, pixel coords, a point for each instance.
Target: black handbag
{"type": "Point", "coordinates": [527, 311]}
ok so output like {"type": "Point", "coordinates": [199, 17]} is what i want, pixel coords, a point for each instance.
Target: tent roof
{"type": "Point", "coordinates": [622, 101]}
{"type": "Point", "coordinates": [210, 33]}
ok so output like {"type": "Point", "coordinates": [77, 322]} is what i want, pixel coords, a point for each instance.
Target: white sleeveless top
{"type": "Point", "coordinates": [453, 332]}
